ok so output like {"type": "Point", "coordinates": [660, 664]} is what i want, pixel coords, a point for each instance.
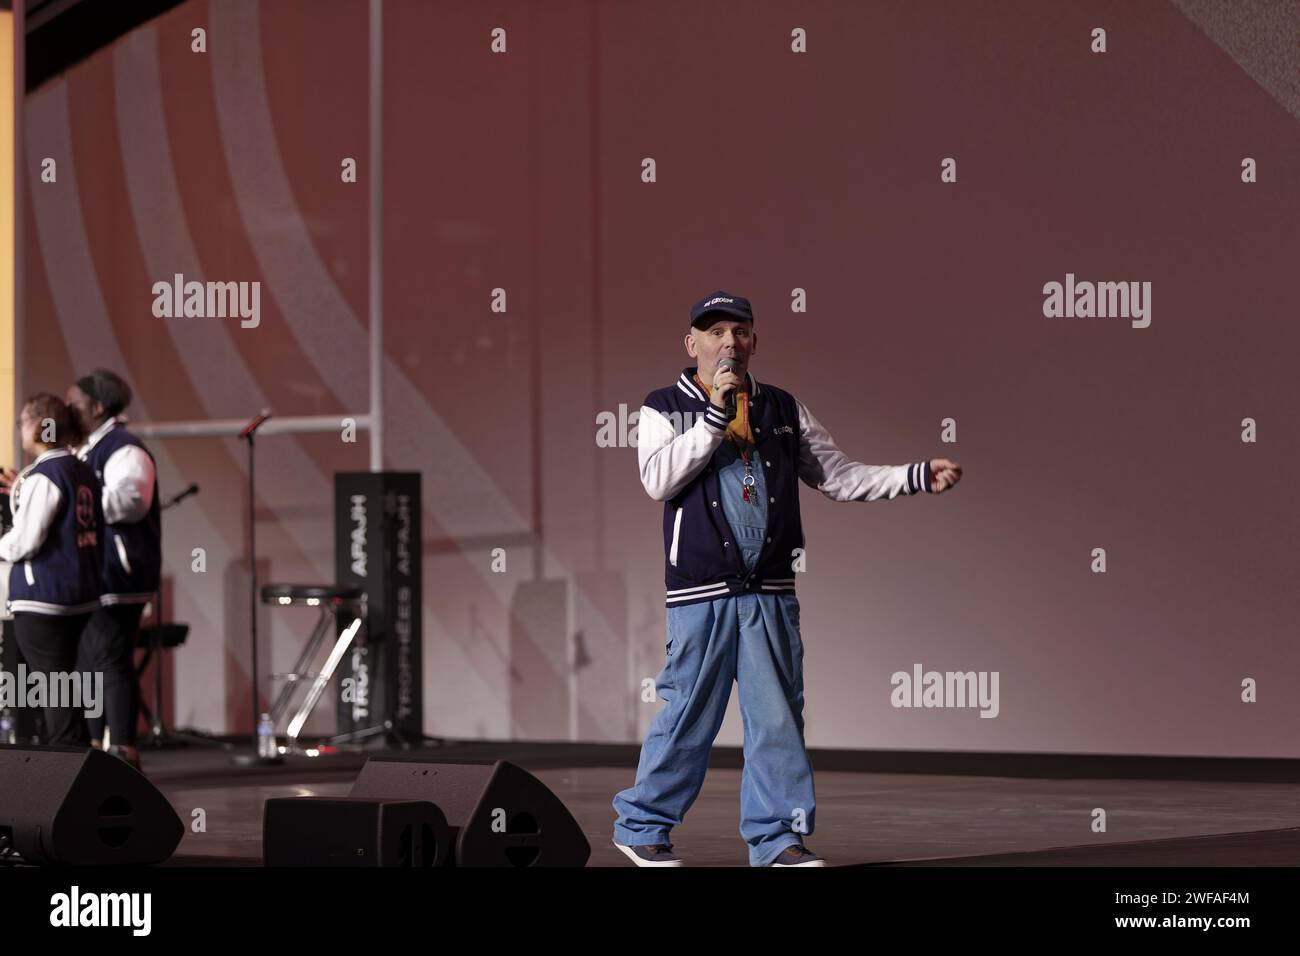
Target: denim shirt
{"type": "Point", "coordinates": [748, 519]}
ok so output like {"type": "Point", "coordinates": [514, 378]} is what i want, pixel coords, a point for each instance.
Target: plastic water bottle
{"type": "Point", "coordinates": [266, 745]}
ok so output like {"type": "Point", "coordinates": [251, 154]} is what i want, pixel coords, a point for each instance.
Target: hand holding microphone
{"type": "Point", "coordinates": [726, 379]}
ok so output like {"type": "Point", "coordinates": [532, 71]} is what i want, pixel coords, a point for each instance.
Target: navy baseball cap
{"type": "Point", "coordinates": [720, 302]}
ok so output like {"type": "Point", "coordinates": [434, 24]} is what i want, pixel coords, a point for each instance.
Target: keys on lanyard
{"type": "Point", "coordinates": [747, 492]}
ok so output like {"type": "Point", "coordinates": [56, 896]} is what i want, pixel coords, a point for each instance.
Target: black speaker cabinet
{"type": "Point", "coordinates": [61, 805]}
{"type": "Point", "coordinates": [499, 814]}
{"type": "Point", "coordinates": [353, 831]}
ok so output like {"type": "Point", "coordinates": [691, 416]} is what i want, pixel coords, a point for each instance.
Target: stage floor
{"type": "Point", "coordinates": [863, 817]}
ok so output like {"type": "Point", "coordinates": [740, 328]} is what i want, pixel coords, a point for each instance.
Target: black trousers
{"type": "Point", "coordinates": [108, 645]}
{"type": "Point", "coordinates": [48, 642]}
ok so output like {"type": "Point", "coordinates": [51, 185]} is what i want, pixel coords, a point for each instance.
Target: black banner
{"type": "Point", "coordinates": [377, 547]}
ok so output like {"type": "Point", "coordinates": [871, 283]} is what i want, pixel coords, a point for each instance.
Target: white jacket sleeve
{"type": "Point", "coordinates": [128, 485]}
{"type": "Point", "coordinates": [670, 461]}
{"type": "Point", "coordinates": [33, 515]}
{"type": "Point", "coordinates": [823, 466]}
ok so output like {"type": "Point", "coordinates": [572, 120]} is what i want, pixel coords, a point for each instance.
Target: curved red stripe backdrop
{"type": "Point", "coordinates": [776, 172]}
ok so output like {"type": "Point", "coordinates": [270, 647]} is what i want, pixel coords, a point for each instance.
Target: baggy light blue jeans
{"type": "Point", "coordinates": [754, 640]}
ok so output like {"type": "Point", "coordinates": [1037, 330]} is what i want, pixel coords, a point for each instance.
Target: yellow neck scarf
{"type": "Point", "coordinates": [738, 429]}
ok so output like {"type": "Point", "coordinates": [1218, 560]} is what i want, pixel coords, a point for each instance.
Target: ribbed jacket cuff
{"type": "Point", "coordinates": [918, 477]}
{"type": "Point", "coordinates": [716, 418]}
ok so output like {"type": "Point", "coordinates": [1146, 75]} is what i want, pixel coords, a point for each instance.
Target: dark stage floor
{"type": "Point", "coordinates": [873, 807]}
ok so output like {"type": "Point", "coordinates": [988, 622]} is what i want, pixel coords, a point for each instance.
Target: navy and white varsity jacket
{"type": "Point", "coordinates": [55, 541]}
{"type": "Point", "coordinates": [133, 528]}
{"type": "Point", "coordinates": [678, 431]}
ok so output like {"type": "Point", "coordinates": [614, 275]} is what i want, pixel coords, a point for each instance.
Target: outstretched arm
{"type": "Point", "coordinates": [822, 465]}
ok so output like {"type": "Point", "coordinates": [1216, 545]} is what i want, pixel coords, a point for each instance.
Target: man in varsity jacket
{"type": "Point", "coordinates": [54, 546]}
{"type": "Point", "coordinates": [732, 540]}
{"type": "Point", "coordinates": [132, 553]}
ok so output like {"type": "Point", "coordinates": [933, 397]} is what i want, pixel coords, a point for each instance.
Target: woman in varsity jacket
{"type": "Point", "coordinates": [728, 474]}
{"type": "Point", "coordinates": [54, 547]}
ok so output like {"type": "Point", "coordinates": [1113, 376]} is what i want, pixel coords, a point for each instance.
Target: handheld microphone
{"type": "Point", "coordinates": [730, 364]}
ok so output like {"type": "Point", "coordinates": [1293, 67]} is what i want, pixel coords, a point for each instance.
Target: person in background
{"type": "Point", "coordinates": [132, 553]}
{"type": "Point", "coordinates": [54, 546]}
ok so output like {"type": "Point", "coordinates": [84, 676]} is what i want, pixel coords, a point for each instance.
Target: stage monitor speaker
{"type": "Point", "coordinates": [499, 814]}
{"type": "Point", "coordinates": [354, 831]}
{"type": "Point", "coordinates": [82, 807]}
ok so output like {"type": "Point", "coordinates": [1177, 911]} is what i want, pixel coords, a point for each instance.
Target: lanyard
{"type": "Point", "coordinates": [747, 492]}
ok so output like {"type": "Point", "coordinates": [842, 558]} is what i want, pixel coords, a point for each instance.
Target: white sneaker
{"type": "Point", "coordinates": [661, 854]}
{"type": "Point", "coordinates": [797, 855]}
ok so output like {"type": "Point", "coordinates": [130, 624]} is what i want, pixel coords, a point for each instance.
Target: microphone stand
{"type": "Point", "coordinates": [247, 434]}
